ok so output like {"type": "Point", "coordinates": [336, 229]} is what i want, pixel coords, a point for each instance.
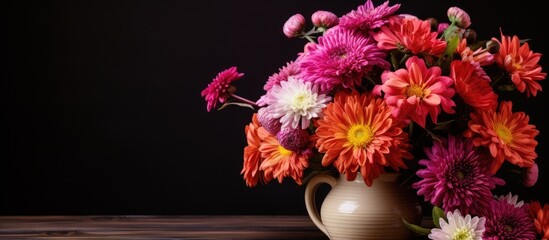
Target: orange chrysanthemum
{"type": "Point", "coordinates": [280, 162]}
{"type": "Point", "coordinates": [506, 134]}
{"type": "Point", "coordinates": [521, 63]}
{"type": "Point", "coordinates": [541, 219]}
{"type": "Point", "coordinates": [252, 156]}
{"type": "Point", "coordinates": [359, 134]}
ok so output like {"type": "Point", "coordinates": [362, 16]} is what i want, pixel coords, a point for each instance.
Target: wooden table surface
{"type": "Point", "coordinates": [159, 227]}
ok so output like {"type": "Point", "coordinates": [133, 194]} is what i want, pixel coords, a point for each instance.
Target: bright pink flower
{"type": "Point", "coordinates": [218, 89]}
{"type": "Point", "coordinates": [341, 59]}
{"type": "Point", "coordinates": [368, 17]}
{"type": "Point", "coordinates": [294, 25]}
{"type": "Point", "coordinates": [410, 35]}
{"type": "Point", "coordinates": [442, 27]}
{"type": "Point", "coordinates": [417, 91]}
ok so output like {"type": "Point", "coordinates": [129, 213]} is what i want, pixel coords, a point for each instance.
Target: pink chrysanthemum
{"type": "Point", "coordinates": [218, 89]}
{"type": "Point", "coordinates": [295, 103]}
{"type": "Point", "coordinates": [280, 162]}
{"type": "Point", "coordinates": [521, 63]}
{"type": "Point", "coordinates": [358, 134]}
{"type": "Point", "coordinates": [367, 17]}
{"type": "Point", "coordinates": [252, 156]}
{"type": "Point", "coordinates": [455, 178]}
{"type": "Point", "coordinates": [341, 58]}
{"type": "Point", "coordinates": [505, 221]}
{"type": "Point", "coordinates": [506, 134]}
{"type": "Point", "coordinates": [417, 91]}
{"type": "Point", "coordinates": [472, 88]}
{"type": "Point", "coordinates": [410, 35]}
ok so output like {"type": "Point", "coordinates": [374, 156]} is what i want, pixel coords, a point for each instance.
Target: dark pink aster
{"type": "Point", "coordinates": [341, 58]}
{"type": "Point", "coordinates": [291, 69]}
{"type": "Point", "coordinates": [455, 178]}
{"type": "Point", "coordinates": [504, 220]}
{"type": "Point", "coordinates": [367, 17]}
{"type": "Point", "coordinates": [218, 89]}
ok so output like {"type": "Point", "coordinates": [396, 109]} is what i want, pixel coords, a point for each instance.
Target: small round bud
{"type": "Point", "coordinates": [442, 27]}
{"type": "Point", "coordinates": [294, 25]}
{"type": "Point", "coordinates": [470, 35]}
{"type": "Point", "coordinates": [492, 46]}
{"type": "Point", "coordinates": [272, 125]}
{"type": "Point", "coordinates": [459, 17]}
{"type": "Point", "coordinates": [531, 176]}
{"type": "Point", "coordinates": [324, 19]}
{"type": "Point", "coordinates": [293, 139]}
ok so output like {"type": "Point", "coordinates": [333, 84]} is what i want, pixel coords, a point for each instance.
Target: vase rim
{"type": "Point", "coordinates": [384, 177]}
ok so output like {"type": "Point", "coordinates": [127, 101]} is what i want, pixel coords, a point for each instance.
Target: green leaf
{"type": "Point", "coordinates": [236, 103]}
{"type": "Point", "coordinates": [416, 229]}
{"type": "Point", "coordinates": [437, 214]}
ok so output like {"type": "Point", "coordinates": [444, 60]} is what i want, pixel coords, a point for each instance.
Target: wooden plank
{"type": "Point", "coordinates": [158, 227]}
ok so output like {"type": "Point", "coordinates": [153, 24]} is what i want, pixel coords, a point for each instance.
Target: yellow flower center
{"type": "Point", "coordinates": [415, 90]}
{"type": "Point", "coordinates": [360, 135]}
{"type": "Point", "coordinates": [302, 102]}
{"type": "Point", "coordinates": [462, 234]}
{"type": "Point", "coordinates": [503, 133]}
{"type": "Point", "coordinates": [283, 151]}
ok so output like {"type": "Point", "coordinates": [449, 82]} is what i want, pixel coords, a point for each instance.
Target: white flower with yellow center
{"type": "Point", "coordinates": [296, 102]}
{"type": "Point", "coordinates": [459, 227]}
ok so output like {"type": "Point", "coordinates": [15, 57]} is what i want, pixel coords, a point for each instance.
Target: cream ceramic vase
{"type": "Point", "coordinates": [352, 210]}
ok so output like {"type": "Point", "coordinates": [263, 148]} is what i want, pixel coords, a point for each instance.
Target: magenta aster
{"type": "Point", "coordinates": [368, 17]}
{"type": "Point", "coordinates": [454, 177]}
{"type": "Point", "coordinates": [506, 221]}
{"type": "Point", "coordinates": [218, 89]}
{"type": "Point", "coordinates": [341, 58]}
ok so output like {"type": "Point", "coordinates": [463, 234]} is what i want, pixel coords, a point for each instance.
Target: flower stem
{"type": "Point", "coordinates": [244, 100]}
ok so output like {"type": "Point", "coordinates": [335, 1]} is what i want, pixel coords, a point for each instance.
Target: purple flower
{"type": "Point", "coordinates": [272, 125]}
{"type": "Point", "coordinates": [505, 220]}
{"type": "Point", "coordinates": [454, 177]}
{"type": "Point", "coordinates": [293, 139]}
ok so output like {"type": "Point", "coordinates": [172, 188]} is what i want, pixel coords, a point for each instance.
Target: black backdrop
{"type": "Point", "coordinates": [102, 108]}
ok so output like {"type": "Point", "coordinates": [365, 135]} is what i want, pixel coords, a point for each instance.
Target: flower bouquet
{"type": "Point", "coordinates": [377, 91]}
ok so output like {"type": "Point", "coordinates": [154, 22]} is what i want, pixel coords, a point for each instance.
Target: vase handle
{"type": "Point", "coordinates": [310, 194]}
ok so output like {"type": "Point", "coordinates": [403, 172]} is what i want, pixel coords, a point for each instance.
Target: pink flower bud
{"type": "Point", "coordinates": [272, 125]}
{"type": "Point", "coordinates": [293, 139]}
{"type": "Point", "coordinates": [531, 176]}
{"type": "Point", "coordinates": [294, 25]}
{"type": "Point", "coordinates": [324, 19]}
{"type": "Point", "coordinates": [442, 27]}
{"type": "Point", "coordinates": [459, 17]}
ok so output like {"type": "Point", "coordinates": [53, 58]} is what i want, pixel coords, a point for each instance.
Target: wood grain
{"type": "Point", "coordinates": [158, 227]}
